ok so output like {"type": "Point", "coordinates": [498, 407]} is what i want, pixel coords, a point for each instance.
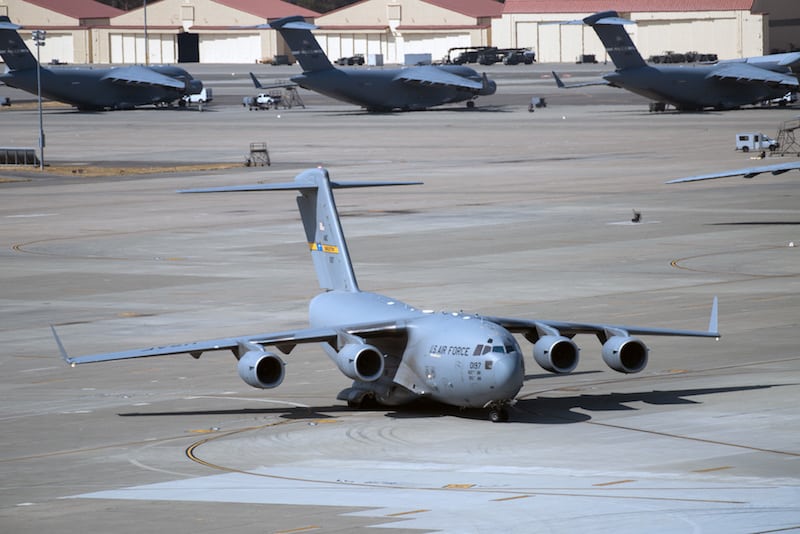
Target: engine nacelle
{"type": "Point", "coordinates": [360, 362]}
{"type": "Point", "coordinates": [557, 354]}
{"type": "Point", "coordinates": [261, 369]}
{"type": "Point", "coordinates": [625, 354]}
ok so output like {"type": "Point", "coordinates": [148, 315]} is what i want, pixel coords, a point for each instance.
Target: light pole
{"type": "Point", "coordinates": [146, 44]}
{"type": "Point", "coordinates": [38, 38]}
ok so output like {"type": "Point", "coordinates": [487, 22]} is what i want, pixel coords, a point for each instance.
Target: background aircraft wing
{"type": "Point", "coordinates": [778, 168]}
{"type": "Point", "coordinates": [603, 331]}
{"type": "Point", "coordinates": [430, 75]}
{"type": "Point", "coordinates": [284, 341]}
{"type": "Point", "coordinates": [746, 73]}
{"type": "Point", "coordinates": [138, 75]}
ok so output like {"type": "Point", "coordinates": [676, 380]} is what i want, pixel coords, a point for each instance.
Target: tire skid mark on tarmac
{"type": "Point", "coordinates": [192, 454]}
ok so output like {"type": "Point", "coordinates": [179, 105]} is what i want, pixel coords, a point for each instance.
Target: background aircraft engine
{"type": "Point", "coordinates": [261, 369]}
{"type": "Point", "coordinates": [557, 354]}
{"type": "Point", "coordinates": [360, 362]}
{"type": "Point", "coordinates": [625, 354]}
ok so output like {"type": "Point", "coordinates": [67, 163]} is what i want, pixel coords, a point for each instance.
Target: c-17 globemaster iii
{"type": "Point", "coordinates": [397, 353]}
{"type": "Point", "coordinates": [404, 89]}
{"type": "Point", "coordinates": [92, 89]}
{"type": "Point", "coordinates": [727, 84]}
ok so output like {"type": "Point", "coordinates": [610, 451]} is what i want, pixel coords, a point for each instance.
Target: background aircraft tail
{"type": "Point", "coordinates": [304, 46]}
{"type": "Point", "coordinates": [13, 50]}
{"type": "Point", "coordinates": [321, 222]}
{"type": "Point", "coordinates": [609, 28]}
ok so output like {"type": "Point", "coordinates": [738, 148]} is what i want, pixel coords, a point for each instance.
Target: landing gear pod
{"type": "Point", "coordinates": [260, 369]}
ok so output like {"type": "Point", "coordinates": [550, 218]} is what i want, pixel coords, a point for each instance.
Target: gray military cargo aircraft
{"type": "Point", "coordinates": [92, 89]}
{"type": "Point", "coordinates": [406, 89]}
{"type": "Point", "coordinates": [724, 85]}
{"type": "Point", "coordinates": [394, 352]}
{"type": "Point", "coordinates": [776, 169]}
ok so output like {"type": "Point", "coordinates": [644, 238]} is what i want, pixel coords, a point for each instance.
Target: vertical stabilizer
{"type": "Point", "coordinates": [609, 28]}
{"type": "Point", "coordinates": [304, 46]}
{"type": "Point", "coordinates": [13, 50]}
{"type": "Point", "coordinates": [324, 233]}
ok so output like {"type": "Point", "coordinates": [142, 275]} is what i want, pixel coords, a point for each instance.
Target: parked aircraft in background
{"type": "Point", "coordinates": [778, 168]}
{"type": "Point", "coordinates": [394, 352]}
{"type": "Point", "coordinates": [93, 89]}
{"type": "Point", "coordinates": [724, 85]}
{"type": "Point", "coordinates": [406, 89]}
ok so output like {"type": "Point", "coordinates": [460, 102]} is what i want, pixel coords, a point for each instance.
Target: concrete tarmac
{"type": "Point", "coordinates": [521, 214]}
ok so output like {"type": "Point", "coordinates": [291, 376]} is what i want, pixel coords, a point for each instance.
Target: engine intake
{"type": "Point", "coordinates": [625, 354]}
{"type": "Point", "coordinates": [360, 361]}
{"type": "Point", "coordinates": [261, 369]}
{"type": "Point", "coordinates": [557, 354]}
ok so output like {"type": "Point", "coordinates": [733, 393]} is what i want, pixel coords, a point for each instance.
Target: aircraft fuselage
{"type": "Point", "coordinates": [454, 358]}
{"type": "Point", "coordinates": [690, 88]}
{"type": "Point", "coordinates": [381, 90]}
{"type": "Point", "coordinates": [84, 88]}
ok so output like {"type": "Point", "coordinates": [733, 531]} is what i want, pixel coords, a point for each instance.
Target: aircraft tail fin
{"type": "Point", "coordinates": [321, 222]}
{"type": "Point", "coordinates": [13, 50]}
{"type": "Point", "coordinates": [609, 28]}
{"type": "Point", "coordinates": [255, 81]}
{"type": "Point", "coordinates": [304, 46]}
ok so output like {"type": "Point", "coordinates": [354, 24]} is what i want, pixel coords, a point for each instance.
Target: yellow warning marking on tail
{"type": "Point", "coordinates": [321, 247]}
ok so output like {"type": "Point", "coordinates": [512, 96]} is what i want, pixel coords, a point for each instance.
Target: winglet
{"type": "Point", "coordinates": [559, 83]}
{"type": "Point", "coordinates": [61, 348]}
{"type": "Point", "coordinates": [713, 326]}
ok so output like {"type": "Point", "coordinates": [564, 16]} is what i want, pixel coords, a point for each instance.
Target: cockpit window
{"type": "Point", "coordinates": [499, 348]}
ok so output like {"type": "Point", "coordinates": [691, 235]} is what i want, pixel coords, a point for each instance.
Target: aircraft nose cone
{"type": "Point", "coordinates": [508, 375]}
{"type": "Point", "coordinates": [490, 88]}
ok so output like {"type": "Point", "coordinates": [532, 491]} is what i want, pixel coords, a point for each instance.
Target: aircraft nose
{"type": "Point", "coordinates": [489, 88]}
{"type": "Point", "coordinates": [509, 374]}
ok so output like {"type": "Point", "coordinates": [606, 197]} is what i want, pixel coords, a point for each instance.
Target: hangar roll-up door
{"type": "Point", "coordinates": [188, 48]}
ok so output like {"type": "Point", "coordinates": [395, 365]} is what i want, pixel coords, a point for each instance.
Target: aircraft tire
{"type": "Point", "coordinates": [498, 415]}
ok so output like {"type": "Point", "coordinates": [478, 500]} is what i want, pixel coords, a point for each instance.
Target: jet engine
{"type": "Point", "coordinates": [261, 369]}
{"type": "Point", "coordinates": [557, 354]}
{"type": "Point", "coordinates": [625, 354]}
{"type": "Point", "coordinates": [360, 361]}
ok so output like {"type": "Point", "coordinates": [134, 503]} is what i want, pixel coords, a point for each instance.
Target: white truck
{"type": "Point", "coordinates": [262, 101]}
{"type": "Point", "coordinates": [203, 97]}
{"type": "Point", "coordinates": [747, 141]}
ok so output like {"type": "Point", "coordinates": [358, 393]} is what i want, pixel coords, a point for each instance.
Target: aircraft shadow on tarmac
{"type": "Point", "coordinates": [538, 410]}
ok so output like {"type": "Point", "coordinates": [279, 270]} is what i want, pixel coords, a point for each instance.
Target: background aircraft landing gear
{"type": "Point", "coordinates": [498, 414]}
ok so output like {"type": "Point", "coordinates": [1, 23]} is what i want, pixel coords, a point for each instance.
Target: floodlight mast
{"type": "Point", "coordinates": [38, 38]}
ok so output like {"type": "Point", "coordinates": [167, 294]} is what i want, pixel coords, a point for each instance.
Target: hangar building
{"type": "Point", "coordinates": [728, 28]}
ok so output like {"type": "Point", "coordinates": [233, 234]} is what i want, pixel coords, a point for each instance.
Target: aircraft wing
{"type": "Point", "coordinates": [430, 75]}
{"type": "Point", "coordinates": [284, 341]}
{"type": "Point", "coordinates": [603, 331]}
{"type": "Point", "coordinates": [778, 168]}
{"type": "Point", "coordinates": [746, 73]}
{"type": "Point", "coordinates": [138, 75]}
